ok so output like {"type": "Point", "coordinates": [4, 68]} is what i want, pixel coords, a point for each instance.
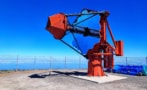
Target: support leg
{"type": "Point", "coordinates": [95, 66]}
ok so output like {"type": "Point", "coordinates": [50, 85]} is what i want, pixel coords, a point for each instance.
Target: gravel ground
{"type": "Point", "coordinates": [40, 80]}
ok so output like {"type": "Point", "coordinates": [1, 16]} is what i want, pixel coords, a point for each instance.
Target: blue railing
{"type": "Point", "coordinates": [124, 65]}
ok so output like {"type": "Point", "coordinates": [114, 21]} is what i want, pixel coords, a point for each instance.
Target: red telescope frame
{"type": "Point", "coordinates": [102, 51]}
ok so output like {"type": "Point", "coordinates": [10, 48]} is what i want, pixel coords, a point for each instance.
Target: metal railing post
{"type": "Point", "coordinates": [35, 62]}
{"type": "Point", "coordinates": [146, 60]}
{"type": "Point", "coordinates": [50, 62]}
{"type": "Point", "coordinates": [79, 62]}
{"type": "Point", "coordinates": [65, 63]}
{"type": "Point", "coordinates": [126, 60]}
{"type": "Point", "coordinates": [50, 65]}
{"type": "Point", "coordinates": [16, 63]}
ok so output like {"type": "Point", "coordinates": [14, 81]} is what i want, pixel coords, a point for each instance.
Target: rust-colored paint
{"type": "Point", "coordinates": [95, 66]}
{"type": "Point", "coordinates": [57, 25]}
{"type": "Point", "coordinates": [119, 48]}
{"type": "Point", "coordinates": [102, 51]}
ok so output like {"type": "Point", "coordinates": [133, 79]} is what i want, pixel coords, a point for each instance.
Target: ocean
{"type": "Point", "coordinates": [33, 63]}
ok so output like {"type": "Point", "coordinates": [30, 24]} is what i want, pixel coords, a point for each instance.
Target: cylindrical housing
{"type": "Point", "coordinates": [85, 31]}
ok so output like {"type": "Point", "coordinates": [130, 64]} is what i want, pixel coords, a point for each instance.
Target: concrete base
{"type": "Point", "coordinates": [102, 79]}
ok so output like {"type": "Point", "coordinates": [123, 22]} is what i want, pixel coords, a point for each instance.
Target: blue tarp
{"type": "Point", "coordinates": [131, 69]}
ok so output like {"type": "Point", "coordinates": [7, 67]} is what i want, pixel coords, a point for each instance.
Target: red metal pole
{"type": "Point", "coordinates": [110, 31]}
{"type": "Point", "coordinates": [103, 29]}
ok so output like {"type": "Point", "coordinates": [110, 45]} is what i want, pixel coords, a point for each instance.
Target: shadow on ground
{"type": "Point", "coordinates": [72, 73]}
{"type": "Point", "coordinates": [55, 73]}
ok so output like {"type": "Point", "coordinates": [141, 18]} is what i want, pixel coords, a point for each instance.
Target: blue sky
{"type": "Point", "coordinates": [22, 25]}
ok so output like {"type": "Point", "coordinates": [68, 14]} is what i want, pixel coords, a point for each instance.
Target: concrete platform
{"type": "Point", "coordinates": [24, 80]}
{"type": "Point", "coordinates": [103, 79]}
